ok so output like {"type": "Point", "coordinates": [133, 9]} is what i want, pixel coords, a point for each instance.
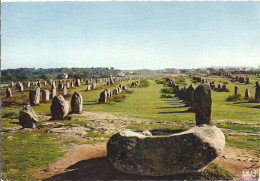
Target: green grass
{"type": "Point", "coordinates": [245, 142]}
{"type": "Point", "coordinates": [239, 127]}
{"type": "Point", "coordinates": [20, 152]}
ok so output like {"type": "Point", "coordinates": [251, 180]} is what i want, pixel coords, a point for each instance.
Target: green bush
{"type": "Point", "coordinates": [180, 80]}
{"type": "Point", "coordinates": [166, 96]}
{"type": "Point", "coordinates": [161, 81]}
{"type": "Point", "coordinates": [144, 83]}
{"type": "Point", "coordinates": [167, 90]}
{"type": "Point", "coordinates": [234, 97]}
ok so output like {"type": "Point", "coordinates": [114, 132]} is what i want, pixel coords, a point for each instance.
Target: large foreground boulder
{"type": "Point", "coordinates": [28, 117]}
{"type": "Point", "coordinates": [59, 107]}
{"type": "Point", "coordinates": [187, 152]}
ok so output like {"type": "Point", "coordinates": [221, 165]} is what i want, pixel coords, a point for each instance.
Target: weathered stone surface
{"type": "Point", "coordinates": [21, 88]}
{"type": "Point", "coordinates": [236, 90]}
{"type": "Point", "coordinates": [108, 92]}
{"type": "Point", "coordinates": [224, 87]}
{"type": "Point", "coordinates": [71, 84]}
{"type": "Point", "coordinates": [203, 104]}
{"type": "Point", "coordinates": [123, 88]}
{"type": "Point", "coordinates": [247, 94]}
{"type": "Point", "coordinates": [45, 95]}
{"type": "Point", "coordinates": [115, 92]}
{"type": "Point", "coordinates": [247, 80]}
{"type": "Point", "coordinates": [103, 97]}
{"type": "Point", "coordinates": [77, 83]}
{"type": "Point", "coordinates": [94, 85]}
{"type": "Point", "coordinates": [64, 91]}
{"type": "Point", "coordinates": [219, 86]}
{"type": "Point", "coordinates": [60, 86]}
{"type": "Point", "coordinates": [59, 107]}
{"type": "Point", "coordinates": [53, 86]}
{"type": "Point", "coordinates": [67, 85]}
{"type": "Point", "coordinates": [88, 88]}
{"type": "Point", "coordinates": [190, 97]}
{"type": "Point", "coordinates": [53, 93]}
{"type": "Point", "coordinates": [28, 117]}
{"type": "Point", "coordinates": [28, 85]}
{"type": "Point", "coordinates": [8, 92]}
{"type": "Point", "coordinates": [187, 152]}
{"type": "Point", "coordinates": [257, 92]}
{"type": "Point", "coordinates": [34, 96]}
{"type": "Point", "coordinates": [76, 103]}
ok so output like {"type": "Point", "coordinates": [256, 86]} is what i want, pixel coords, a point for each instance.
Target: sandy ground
{"type": "Point", "coordinates": [88, 162]}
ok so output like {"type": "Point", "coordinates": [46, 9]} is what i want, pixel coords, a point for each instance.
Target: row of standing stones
{"type": "Point", "coordinates": [60, 106]}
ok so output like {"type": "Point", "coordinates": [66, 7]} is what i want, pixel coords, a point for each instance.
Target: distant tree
{"type": "Point", "coordinates": [44, 77]}
{"type": "Point", "coordinates": [59, 76]}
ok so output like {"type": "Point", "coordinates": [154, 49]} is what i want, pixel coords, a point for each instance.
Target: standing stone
{"type": "Point", "coordinates": [12, 84]}
{"type": "Point", "coordinates": [103, 97]}
{"type": "Point", "coordinates": [87, 81]}
{"type": "Point", "coordinates": [257, 93]}
{"type": "Point", "coordinates": [88, 88]}
{"type": "Point", "coordinates": [8, 92]}
{"type": "Point", "coordinates": [108, 92]}
{"type": "Point", "coordinates": [64, 91]}
{"type": "Point", "coordinates": [120, 85]}
{"type": "Point", "coordinates": [212, 86]}
{"type": "Point", "coordinates": [111, 94]}
{"type": "Point", "coordinates": [60, 86]}
{"type": "Point", "coordinates": [50, 81]}
{"type": "Point", "coordinates": [247, 80]}
{"type": "Point", "coordinates": [59, 107]}
{"type": "Point", "coordinates": [224, 87]}
{"type": "Point", "coordinates": [247, 94]}
{"type": "Point", "coordinates": [93, 85]}
{"type": "Point", "coordinates": [219, 86]}
{"type": "Point", "coordinates": [28, 117]}
{"type": "Point", "coordinates": [53, 86]}
{"type": "Point", "coordinates": [53, 93]}
{"type": "Point", "coordinates": [67, 85]}
{"type": "Point", "coordinates": [190, 97]}
{"type": "Point", "coordinates": [34, 96]}
{"type": "Point", "coordinates": [28, 84]}
{"type": "Point", "coordinates": [45, 95]}
{"type": "Point", "coordinates": [45, 82]}
{"type": "Point", "coordinates": [203, 104]}
{"type": "Point", "coordinates": [242, 79]}
{"type": "Point", "coordinates": [108, 83]}
{"type": "Point", "coordinates": [256, 84]}
{"type": "Point", "coordinates": [76, 103]}
{"type": "Point", "coordinates": [21, 89]}
{"type": "Point", "coordinates": [115, 91]}
{"type": "Point", "coordinates": [39, 84]}
{"type": "Point", "coordinates": [77, 83]}
{"type": "Point", "coordinates": [124, 88]}
{"type": "Point", "coordinates": [236, 90]}
{"type": "Point", "coordinates": [71, 84]}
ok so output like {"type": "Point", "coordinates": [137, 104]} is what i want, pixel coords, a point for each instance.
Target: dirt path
{"type": "Point", "coordinates": [88, 161]}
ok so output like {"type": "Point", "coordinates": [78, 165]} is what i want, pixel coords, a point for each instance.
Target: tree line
{"type": "Point", "coordinates": [24, 74]}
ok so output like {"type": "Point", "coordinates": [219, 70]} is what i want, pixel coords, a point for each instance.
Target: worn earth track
{"type": "Point", "coordinates": [88, 161]}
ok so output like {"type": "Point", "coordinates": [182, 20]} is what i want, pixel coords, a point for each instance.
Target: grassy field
{"type": "Point", "coordinates": [144, 104]}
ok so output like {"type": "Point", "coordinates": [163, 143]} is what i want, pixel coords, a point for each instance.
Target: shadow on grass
{"type": "Point", "coordinates": [90, 103]}
{"type": "Point", "coordinates": [255, 107]}
{"type": "Point", "coordinates": [242, 102]}
{"type": "Point", "coordinates": [15, 123]}
{"type": "Point", "coordinates": [100, 169]}
{"type": "Point", "coordinates": [172, 112]}
{"type": "Point", "coordinates": [170, 107]}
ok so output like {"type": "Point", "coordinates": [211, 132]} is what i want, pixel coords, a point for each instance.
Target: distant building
{"type": "Point", "coordinates": [120, 74]}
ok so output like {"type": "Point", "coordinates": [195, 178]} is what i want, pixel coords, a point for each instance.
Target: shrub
{"type": "Point", "coordinates": [128, 91]}
{"type": "Point", "coordinates": [180, 80]}
{"type": "Point", "coordinates": [161, 81]}
{"type": "Point", "coordinates": [167, 90]}
{"type": "Point", "coordinates": [144, 83]}
{"type": "Point", "coordinates": [12, 115]}
{"type": "Point", "coordinates": [120, 97]}
{"type": "Point", "coordinates": [252, 100]}
{"type": "Point", "coordinates": [234, 97]}
{"type": "Point", "coordinates": [166, 96]}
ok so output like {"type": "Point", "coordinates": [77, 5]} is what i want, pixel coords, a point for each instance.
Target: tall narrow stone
{"type": "Point", "coordinates": [53, 93]}
{"type": "Point", "coordinates": [45, 95]}
{"type": "Point", "coordinates": [88, 88]}
{"type": "Point", "coordinates": [64, 91]}
{"type": "Point", "coordinates": [103, 97]}
{"type": "Point", "coordinates": [108, 92]}
{"type": "Point", "coordinates": [203, 104]}
{"type": "Point", "coordinates": [28, 84]}
{"type": "Point", "coordinates": [8, 92]}
{"type": "Point", "coordinates": [76, 103]}
{"type": "Point", "coordinates": [34, 96]}
{"type": "Point", "coordinates": [60, 86]}
{"type": "Point", "coordinates": [247, 80]}
{"type": "Point", "coordinates": [21, 89]}
{"type": "Point", "coordinates": [257, 93]}
{"type": "Point", "coordinates": [115, 92]}
{"type": "Point", "coordinates": [247, 94]}
{"type": "Point", "coordinates": [236, 90]}
{"type": "Point", "coordinates": [93, 85]}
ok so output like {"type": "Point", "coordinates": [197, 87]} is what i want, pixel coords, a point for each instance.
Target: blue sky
{"type": "Point", "coordinates": [130, 35]}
